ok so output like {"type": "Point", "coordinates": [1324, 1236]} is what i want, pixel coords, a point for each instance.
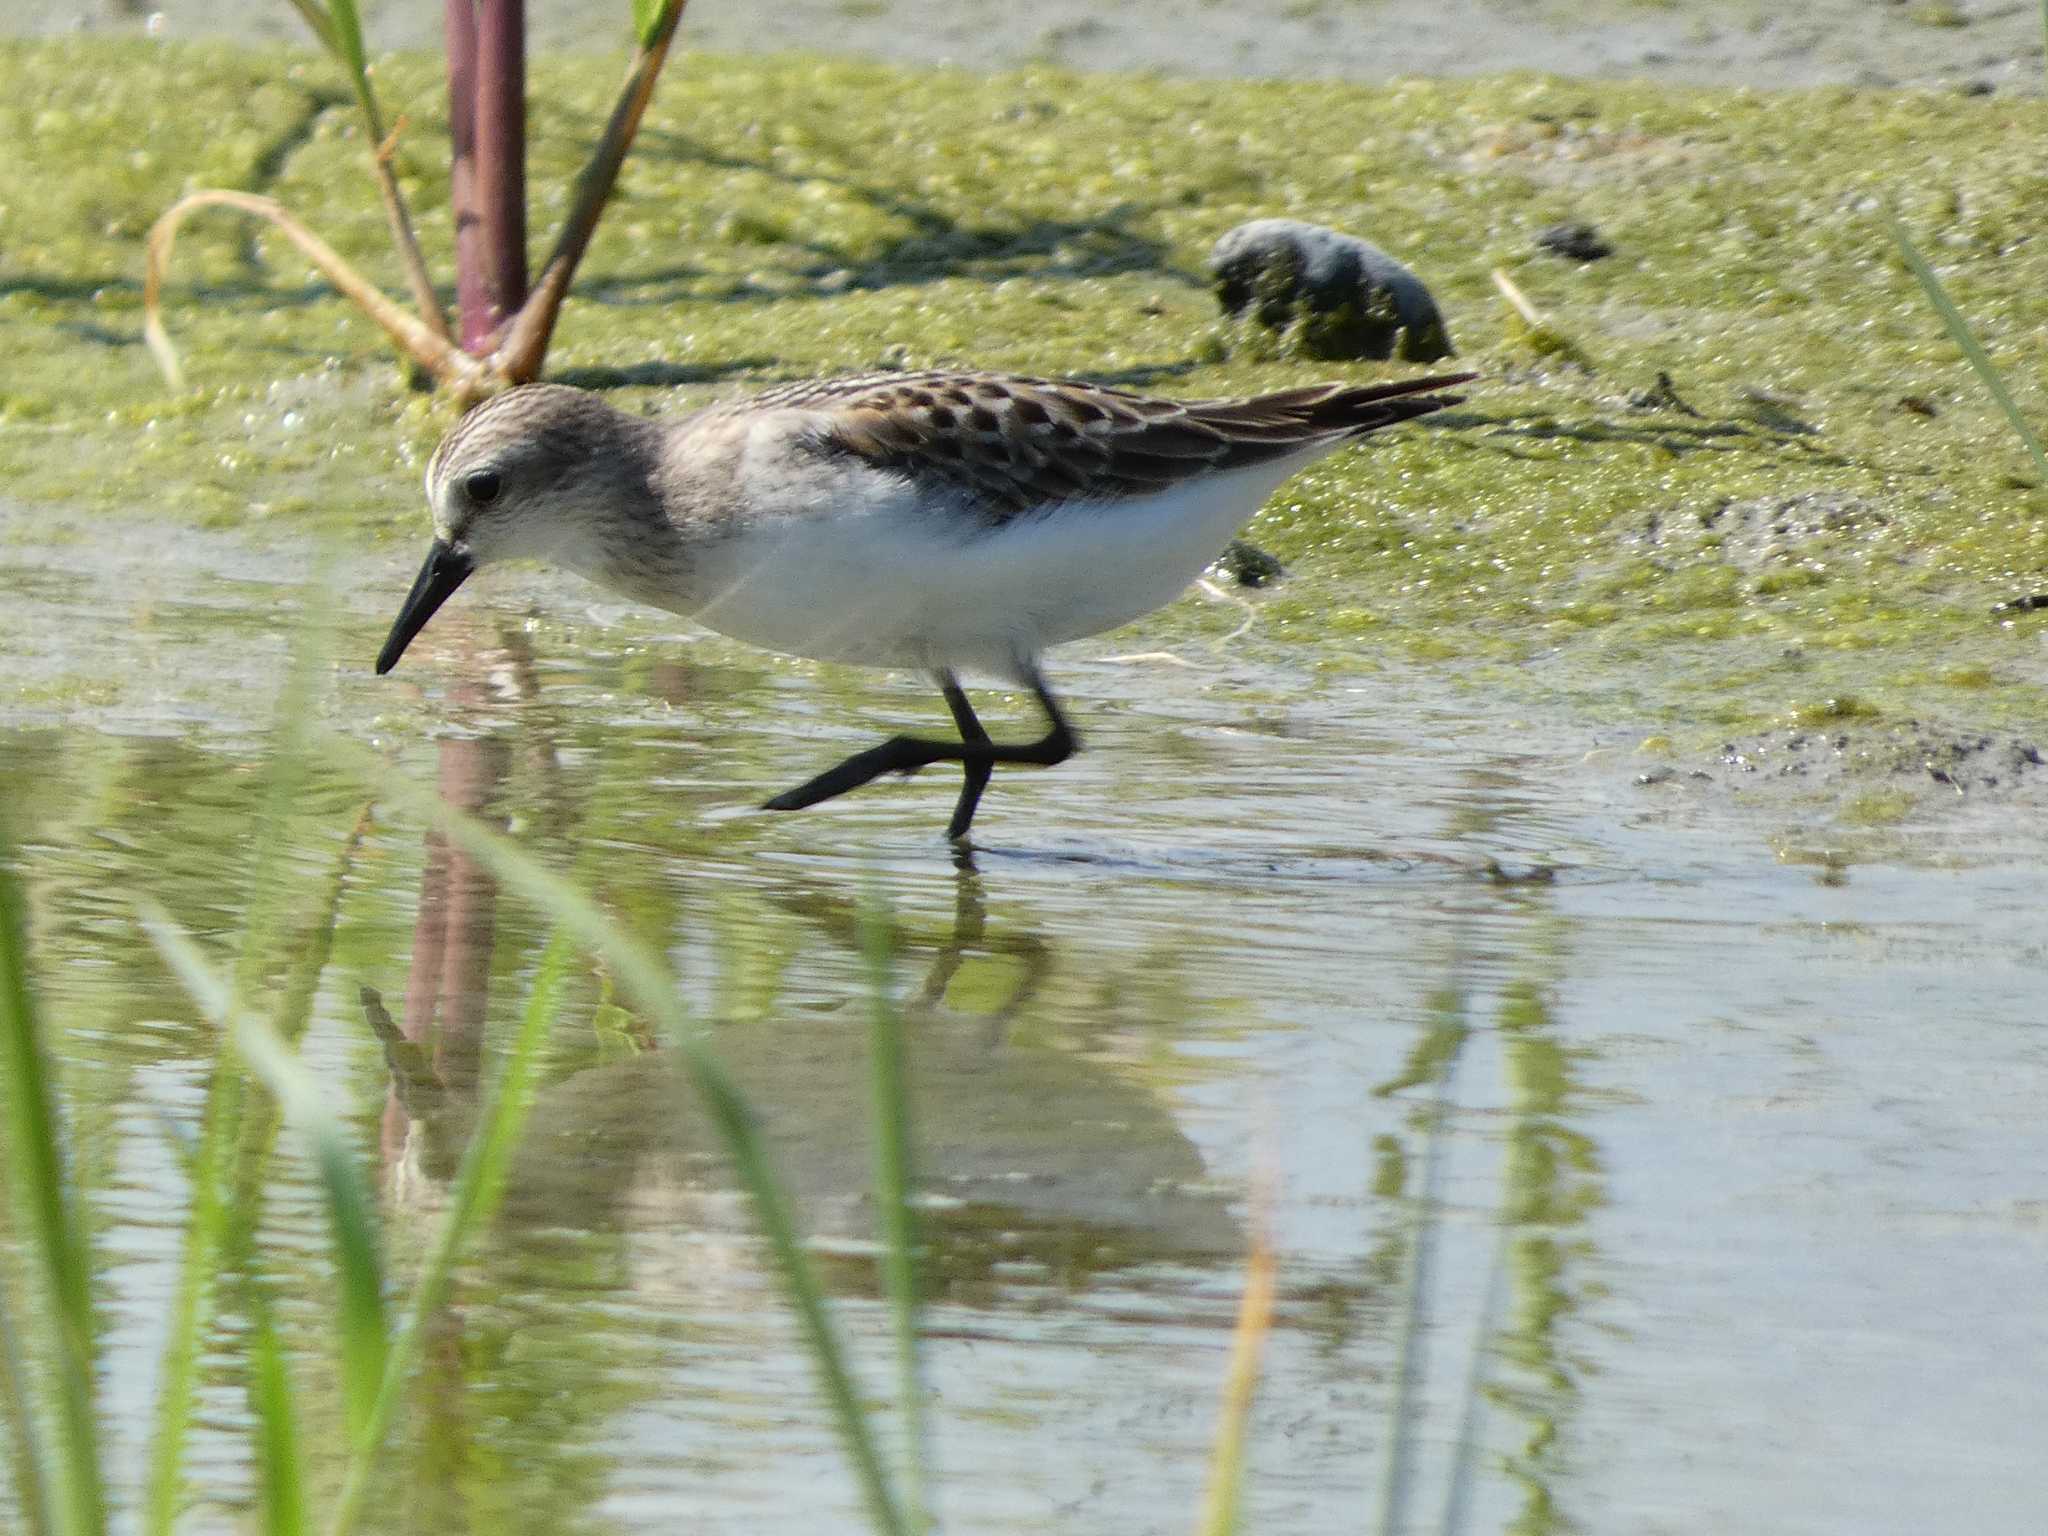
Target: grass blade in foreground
{"type": "Point", "coordinates": [358, 1262]}
{"type": "Point", "coordinates": [280, 1464]}
{"type": "Point", "coordinates": [36, 1163]}
{"type": "Point", "coordinates": [1254, 1322]}
{"type": "Point", "coordinates": [893, 1213]}
{"type": "Point", "coordinates": [224, 1208]}
{"type": "Point", "coordinates": [648, 982]}
{"type": "Point", "coordinates": [651, 19]}
{"type": "Point", "coordinates": [1465, 1456]}
{"type": "Point", "coordinates": [1959, 331]}
{"type": "Point", "coordinates": [478, 1183]}
{"type": "Point", "coordinates": [24, 1434]}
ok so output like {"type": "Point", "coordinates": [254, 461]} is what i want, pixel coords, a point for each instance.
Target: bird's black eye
{"type": "Point", "coordinates": [482, 486]}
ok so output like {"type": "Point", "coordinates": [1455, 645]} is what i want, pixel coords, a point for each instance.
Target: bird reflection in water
{"type": "Point", "coordinates": [1026, 1149]}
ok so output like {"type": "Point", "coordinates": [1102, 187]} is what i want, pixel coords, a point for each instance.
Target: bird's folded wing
{"type": "Point", "coordinates": [1016, 445]}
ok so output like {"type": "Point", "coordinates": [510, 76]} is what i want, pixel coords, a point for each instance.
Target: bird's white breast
{"type": "Point", "coordinates": [870, 572]}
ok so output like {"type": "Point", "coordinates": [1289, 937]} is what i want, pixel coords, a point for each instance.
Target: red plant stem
{"type": "Point", "coordinates": [472, 283]}
{"type": "Point", "coordinates": [501, 152]}
{"type": "Point", "coordinates": [526, 338]}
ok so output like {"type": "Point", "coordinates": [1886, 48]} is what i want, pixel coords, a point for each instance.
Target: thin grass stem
{"type": "Point", "coordinates": [280, 1459]}
{"type": "Point", "coordinates": [649, 984]}
{"type": "Point", "coordinates": [1959, 332]}
{"type": "Point", "coordinates": [319, 23]}
{"type": "Point", "coordinates": [650, 17]}
{"type": "Point", "coordinates": [894, 1182]}
{"type": "Point", "coordinates": [344, 38]}
{"type": "Point", "coordinates": [1224, 1496]}
{"type": "Point", "coordinates": [211, 1224]}
{"type": "Point", "coordinates": [417, 340]}
{"type": "Point", "coordinates": [365, 1355]}
{"type": "Point", "coordinates": [25, 1455]}
{"type": "Point", "coordinates": [478, 1184]}
{"type": "Point", "coordinates": [1411, 1348]}
{"type": "Point", "coordinates": [358, 1259]}
{"type": "Point", "coordinates": [525, 343]}
{"type": "Point", "coordinates": [50, 1202]}
{"type": "Point", "coordinates": [1472, 1413]}
{"type": "Point", "coordinates": [206, 1227]}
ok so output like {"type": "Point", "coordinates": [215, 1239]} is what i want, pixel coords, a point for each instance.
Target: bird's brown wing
{"type": "Point", "coordinates": [1017, 445]}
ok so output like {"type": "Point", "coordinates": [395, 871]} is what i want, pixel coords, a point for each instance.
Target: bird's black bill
{"type": "Point", "coordinates": [444, 571]}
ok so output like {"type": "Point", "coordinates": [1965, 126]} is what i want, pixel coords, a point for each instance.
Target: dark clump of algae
{"type": "Point", "coordinates": [1767, 526]}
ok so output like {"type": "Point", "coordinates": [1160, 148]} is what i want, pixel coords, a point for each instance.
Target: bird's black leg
{"type": "Point", "coordinates": [976, 771]}
{"type": "Point", "coordinates": [975, 752]}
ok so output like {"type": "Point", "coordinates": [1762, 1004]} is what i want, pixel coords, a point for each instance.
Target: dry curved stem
{"type": "Point", "coordinates": [525, 343]}
{"type": "Point", "coordinates": [383, 147]}
{"type": "Point", "coordinates": [436, 353]}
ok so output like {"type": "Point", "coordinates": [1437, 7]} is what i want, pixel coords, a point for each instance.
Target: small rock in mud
{"type": "Point", "coordinates": [1574, 241]}
{"type": "Point", "coordinates": [1332, 294]}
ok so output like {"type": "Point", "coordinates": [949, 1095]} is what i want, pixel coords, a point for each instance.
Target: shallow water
{"type": "Point", "coordinates": [1627, 1177]}
{"type": "Point", "coordinates": [1824, 41]}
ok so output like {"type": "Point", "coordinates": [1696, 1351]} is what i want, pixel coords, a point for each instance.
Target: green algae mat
{"type": "Point", "coordinates": [1757, 486]}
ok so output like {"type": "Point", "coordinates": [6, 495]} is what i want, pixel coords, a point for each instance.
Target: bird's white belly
{"type": "Point", "coordinates": [905, 585]}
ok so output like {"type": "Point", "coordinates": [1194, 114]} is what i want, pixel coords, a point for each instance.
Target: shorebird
{"type": "Point", "coordinates": [943, 521]}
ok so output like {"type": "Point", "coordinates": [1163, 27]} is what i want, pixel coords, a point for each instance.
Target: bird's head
{"type": "Point", "coordinates": [539, 472]}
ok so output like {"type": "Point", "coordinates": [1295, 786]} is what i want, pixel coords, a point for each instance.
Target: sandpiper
{"type": "Point", "coordinates": [945, 521]}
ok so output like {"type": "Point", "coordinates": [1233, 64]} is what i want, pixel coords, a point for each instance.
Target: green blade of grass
{"type": "Point", "coordinates": [1959, 331]}
{"type": "Point", "coordinates": [478, 1183]}
{"type": "Point", "coordinates": [386, 1363]}
{"type": "Point", "coordinates": [319, 24]}
{"type": "Point", "coordinates": [359, 1262]}
{"type": "Point", "coordinates": [649, 18]}
{"type": "Point", "coordinates": [210, 1226]}
{"type": "Point", "coordinates": [362, 1314]}
{"type": "Point", "coordinates": [346, 28]}
{"type": "Point", "coordinates": [17, 1409]}
{"type": "Point", "coordinates": [339, 28]}
{"type": "Point", "coordinates": [280, 1463]}
{"type": "Point", "coordinates": [896, 1220]}
{"type": "Point", "coordinates": [1465, 1456]}
{"type": "Point", "coordinates": [1450, 1027]}
{"type": "Point", "coordinates": [58, 1241]}
{"type": "Point", "coordinates": [206, 1228]}
{"type": "Point", "coordinates": [647, 981]}
{"type": "Point", "coordinates": [351, 1217]}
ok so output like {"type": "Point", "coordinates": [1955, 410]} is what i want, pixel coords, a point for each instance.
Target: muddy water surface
{"type": "Point", "coordinates": [1628, 1176]}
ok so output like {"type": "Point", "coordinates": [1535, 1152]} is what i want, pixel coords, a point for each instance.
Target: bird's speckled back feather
{"type": "Point", "coordinates": [1017, 445]}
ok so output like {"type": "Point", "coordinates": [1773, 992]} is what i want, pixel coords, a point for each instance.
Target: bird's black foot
{"type": "Point", "coordinates": [976, 754]}
{"type": "Point", "coordinates": [899, 754]}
